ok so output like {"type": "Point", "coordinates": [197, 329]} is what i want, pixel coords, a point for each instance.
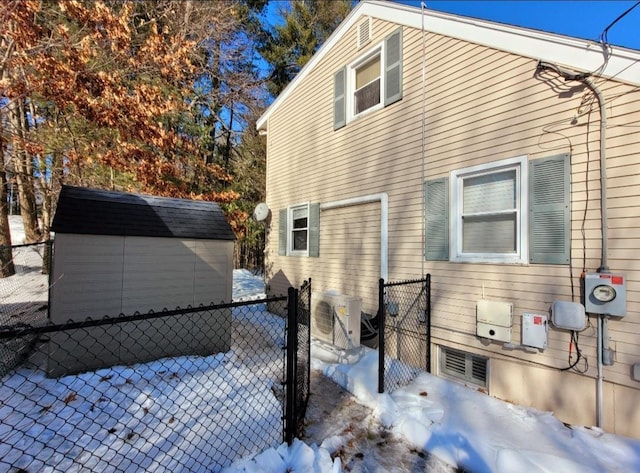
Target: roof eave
{"type": "Point", "coordinates": [579, 54]}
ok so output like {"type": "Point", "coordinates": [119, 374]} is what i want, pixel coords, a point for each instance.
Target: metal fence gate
{"type": "Point", "coordinates": [298, 359]}
{"type": "Point", "coordinates": [404, 331]}
{"type": "Point", "coordinates": [166, 410]}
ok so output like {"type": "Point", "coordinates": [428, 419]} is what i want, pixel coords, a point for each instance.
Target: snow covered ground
{"type": "Point", "coordinates": [466, 428]}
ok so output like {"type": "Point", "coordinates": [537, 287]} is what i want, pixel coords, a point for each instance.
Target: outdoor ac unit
{"type": "Point", "coordinates": [335, 319]}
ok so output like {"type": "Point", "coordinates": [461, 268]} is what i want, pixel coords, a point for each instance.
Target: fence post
{"type": "Point", "coordinates": [308, 343]}
{"type": "Point", "coordinates": [381, 322]}
{"type": "Point", "coordinates": [428, 321]}
{"type": "Point", "coordinates": [291, 344]}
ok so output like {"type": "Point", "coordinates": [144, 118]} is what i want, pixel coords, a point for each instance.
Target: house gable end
{"type": "Point", "coordinates": [578, 54]}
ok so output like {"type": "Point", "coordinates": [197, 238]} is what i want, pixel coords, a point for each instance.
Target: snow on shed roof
{"type": "Point", "coordinates": [98, 212]}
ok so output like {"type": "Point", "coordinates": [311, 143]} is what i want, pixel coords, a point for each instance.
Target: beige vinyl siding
{"type": "Point", "coordinates": [482, 105]}
{"type": "Point", "coordinates": [350, 252]}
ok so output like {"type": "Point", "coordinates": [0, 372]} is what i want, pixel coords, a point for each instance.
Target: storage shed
{"type": "Point", "coordinates": [118, 253]}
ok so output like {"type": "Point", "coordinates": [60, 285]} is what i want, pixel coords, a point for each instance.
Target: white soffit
{"type": "Point", "coordinates": [578, 54]}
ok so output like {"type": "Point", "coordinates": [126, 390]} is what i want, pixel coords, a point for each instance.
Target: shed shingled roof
{"type": "Point", "coordinates": [98, 212]}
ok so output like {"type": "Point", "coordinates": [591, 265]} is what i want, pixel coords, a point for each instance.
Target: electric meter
{"type": "Point", "coordinates": [605, 294]}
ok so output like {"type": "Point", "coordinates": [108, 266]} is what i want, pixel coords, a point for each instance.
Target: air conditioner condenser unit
{"type": "Point", "coordinates": [335, 319]}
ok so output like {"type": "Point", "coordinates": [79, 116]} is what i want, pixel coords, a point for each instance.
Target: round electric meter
{"type": "Point", "coordinates": [604, 293]}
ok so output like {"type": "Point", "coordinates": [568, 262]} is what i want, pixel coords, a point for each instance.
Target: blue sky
{"type": "Point", "coordinates": [582, 19]}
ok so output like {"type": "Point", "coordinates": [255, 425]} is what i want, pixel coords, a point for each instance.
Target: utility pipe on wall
{"type": "Point", "coordinates": [604, 267]}
{"type": "Point", "coordinates": [584, 79]}
{"type": "Point", "coordinates": [384, 226]}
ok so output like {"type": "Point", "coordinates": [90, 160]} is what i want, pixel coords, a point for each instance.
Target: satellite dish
{"type": "Point", "coordinates": [261, 212]}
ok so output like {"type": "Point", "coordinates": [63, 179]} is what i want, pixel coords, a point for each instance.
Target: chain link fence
{"type": "Point", "coordinates": [298, 360]}
{"type": "Point", "coordinates": [404, 331]}
{"type": "Point", "coordinates": [24, 296]}
{"type": "Point", "coordinates": [178, 391]}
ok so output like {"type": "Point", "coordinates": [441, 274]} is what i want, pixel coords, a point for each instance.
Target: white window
{"type": "Point", "coordinates": [365, 82]}
{"type": "Point", "coordinates": [298, 230]}
{"type": "Point", "coordinates": [488, 220]}
{"type": "Point", "coordinates": [370, 83]}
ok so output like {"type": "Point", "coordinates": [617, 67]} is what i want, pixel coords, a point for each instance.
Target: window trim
{"type": "Point", "coordinates": [520, 163]}
{"type": "Point", "coordinates": [290, 229]}
{"type": "Point", "coordinates": [377, 50]}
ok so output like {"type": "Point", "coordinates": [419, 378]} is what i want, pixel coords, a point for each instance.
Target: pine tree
{"type": "Point", "coordinates": [290, 45]}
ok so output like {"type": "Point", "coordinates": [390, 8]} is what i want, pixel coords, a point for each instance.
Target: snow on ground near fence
{"type": "Point", "coordinates": [135, 416]}
{"type": "Point", "coordinates": [460, 425]}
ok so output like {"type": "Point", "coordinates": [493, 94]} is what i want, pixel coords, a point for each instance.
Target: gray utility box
{"type": "Point", "coordinates": [605, 294]}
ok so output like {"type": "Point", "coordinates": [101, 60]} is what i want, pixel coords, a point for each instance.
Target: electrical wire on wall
{"type": "Point", "coordinates": [573, 364]}
{"type": "Point", "coordinates": [604, 40]}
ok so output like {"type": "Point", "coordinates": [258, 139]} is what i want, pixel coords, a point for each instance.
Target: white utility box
{"type": "Point", "coordinates": [494, 332]}
{"type": "Point", "coordinates": [605, 294]}
{"type": "Point", "coordinates": [534, 330]}
{"type": "Point", "coordinates": [568, 315]}
{"type": "Point", "coordinates": [494, 320]}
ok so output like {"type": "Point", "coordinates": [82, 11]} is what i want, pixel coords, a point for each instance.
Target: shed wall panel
{"type": "Point", "coordinates": [86, 277]}
{"type": "Point", "coordinates": [105, 275]}
{"type": "Point", "coordinates": [213, 265]}
{"type": "Point", "coordinates": [158, 274]}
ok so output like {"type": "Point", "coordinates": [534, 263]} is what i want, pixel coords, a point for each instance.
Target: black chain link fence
{"type": "Point", "coordinates": [176, 391]}
{"type": "Point", "coordinates": [24, 296]}
{"type": "Point", "coordinates": [404, 331]}
{"type": "Point", "coordinates": [298, 361]}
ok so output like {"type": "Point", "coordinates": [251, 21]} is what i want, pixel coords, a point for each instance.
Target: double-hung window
{"type": "Point", "coordinates": [372, 81]}
{"type": "Point", "coordinates": [366, 79]}
{"type": "Point", "coordinates": [510, 211]}
{"type": "Point", "coordinates": [299, 229]}
{"type": "Point", "coordinates": [488, 221]}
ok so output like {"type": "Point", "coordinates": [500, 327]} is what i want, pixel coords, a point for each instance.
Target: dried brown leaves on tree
{"type": "Point", "coordinates": [104, 94]}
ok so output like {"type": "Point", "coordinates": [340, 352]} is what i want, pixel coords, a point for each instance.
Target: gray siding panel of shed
{"type": "Point", "coordinates": [78, 350]}
{"type": "Point", "coordinates": [158, 274]}
{"type": "Point", "coordinates": [87, 277]}
{"type": "Point", "coordinates": [201, 334]}
{"type": "Point", "coordinates": [214, 261]}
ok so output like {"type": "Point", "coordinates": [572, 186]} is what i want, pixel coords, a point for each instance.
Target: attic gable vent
{"type": "Point", "coordinates": [364, 32]}
{"type": "Point", "coordinates": [464, 366]}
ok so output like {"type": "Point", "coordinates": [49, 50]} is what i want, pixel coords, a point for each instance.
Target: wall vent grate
{"type": "Point", "coordinates": [464, 366]}
{"type": "Point", "coordinates": [364, 32]}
